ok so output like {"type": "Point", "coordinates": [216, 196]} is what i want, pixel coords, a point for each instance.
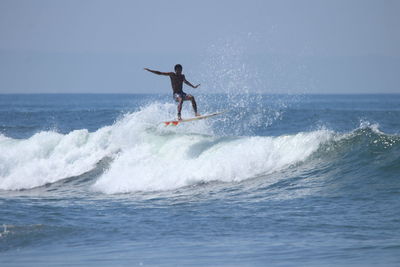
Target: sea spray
{"type": "Point", "coordinates": [230, 75]}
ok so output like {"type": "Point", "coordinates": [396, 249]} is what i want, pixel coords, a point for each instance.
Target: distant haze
{"type": "Point", "coordinates": [94, 46]}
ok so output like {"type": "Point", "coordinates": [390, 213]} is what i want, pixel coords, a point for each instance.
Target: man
{"type": "Point", "coordinates": [177, 80]}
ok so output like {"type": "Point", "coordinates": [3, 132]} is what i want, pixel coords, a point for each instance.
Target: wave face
{"type": "Point", "coordinates": [147, 156]}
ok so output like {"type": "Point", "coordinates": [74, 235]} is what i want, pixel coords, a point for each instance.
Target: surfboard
{"type": "Point", "coordinates": [176, 122]}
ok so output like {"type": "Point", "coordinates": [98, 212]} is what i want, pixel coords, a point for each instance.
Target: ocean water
{"type": "Point", "coordinates": [278, 180]}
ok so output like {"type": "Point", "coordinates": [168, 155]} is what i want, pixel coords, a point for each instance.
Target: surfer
{"type": "Point", "coordinates": [177, 80]}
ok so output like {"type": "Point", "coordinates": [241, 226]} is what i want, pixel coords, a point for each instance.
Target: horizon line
{"type": "Point", "coordinates": [211, 93]}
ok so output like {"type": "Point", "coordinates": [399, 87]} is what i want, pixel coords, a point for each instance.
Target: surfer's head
{"type": "Point", "coordinates": [178, 68]}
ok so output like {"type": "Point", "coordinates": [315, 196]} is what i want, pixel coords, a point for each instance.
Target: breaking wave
{"type": "Point", "coordinates": [147, 156]}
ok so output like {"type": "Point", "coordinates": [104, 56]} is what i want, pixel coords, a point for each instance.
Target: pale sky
{"type": "Point", "coordinates": [299, 46]}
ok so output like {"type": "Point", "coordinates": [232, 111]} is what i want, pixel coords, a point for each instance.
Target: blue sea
{"type": "Point", "coordinates": [277, 180]}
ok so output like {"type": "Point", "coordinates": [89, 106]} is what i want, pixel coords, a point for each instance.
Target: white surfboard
{"type": "Point", "coordinates": [176, 122]}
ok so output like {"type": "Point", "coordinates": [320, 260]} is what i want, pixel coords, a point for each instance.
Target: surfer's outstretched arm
{"type": "Point", "coordinates": [191, 85]}
{"type": "Point", "coordinates": [159, 72]}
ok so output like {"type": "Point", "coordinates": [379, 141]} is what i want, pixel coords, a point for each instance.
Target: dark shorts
{"type": "Point", "coordinates": [182, 95]}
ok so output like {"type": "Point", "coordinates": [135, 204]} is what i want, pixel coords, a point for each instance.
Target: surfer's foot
{"type": "Point", "coordinates": [197, 114]}
{"type": "Point", "coordinates": [179, 117]}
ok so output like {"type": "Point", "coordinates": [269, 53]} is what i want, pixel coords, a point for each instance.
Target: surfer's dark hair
{"type": "Point", "coordinates": [178, 66]}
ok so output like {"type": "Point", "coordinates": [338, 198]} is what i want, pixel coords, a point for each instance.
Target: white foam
{"type": "Point", "coordinates": [168, 162]}
{"type": "Point", "coordinates": [48, 157]}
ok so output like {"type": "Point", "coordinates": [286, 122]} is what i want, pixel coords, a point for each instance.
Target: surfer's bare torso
{"type": "Point", "coordinates": [177, 81]}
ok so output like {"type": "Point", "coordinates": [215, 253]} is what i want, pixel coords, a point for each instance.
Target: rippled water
{"type": "Point", "coordinates": [97, 180]}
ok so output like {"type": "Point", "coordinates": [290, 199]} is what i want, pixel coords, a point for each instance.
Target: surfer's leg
{"type": "Point", "coordinates": [194, 105]}
{"type": "Point", "coordinates": [179, 98]}
{"type": "Point", "coordinates": [180, 102]}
